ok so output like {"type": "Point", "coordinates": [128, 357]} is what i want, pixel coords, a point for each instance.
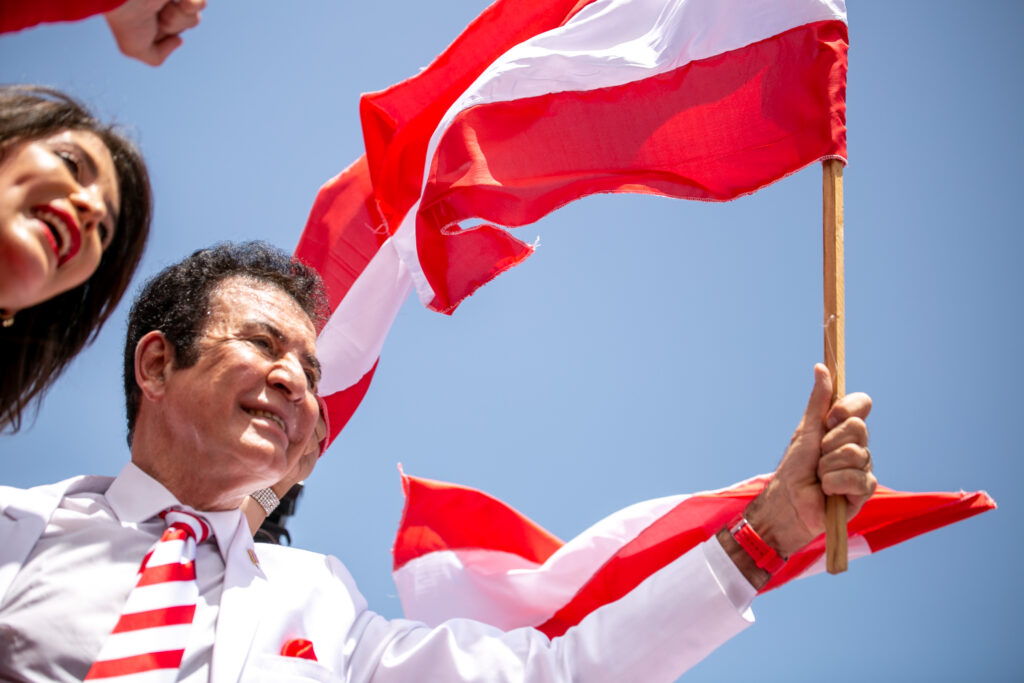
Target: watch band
{"type": "Point", "coordinates": [267, 499]}
{"type": "Point", "coordinates": [764, 555]}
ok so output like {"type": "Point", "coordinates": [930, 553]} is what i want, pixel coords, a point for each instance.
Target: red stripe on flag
{"type": "Point", "coordinates": [398, 122]}
{"type": "Point", "coordinates": [458, 264]}
{"type": "Point", "coordinates": [684, 527]}
{"type": "Point", "coordinates": [343, 232]}
{"type": "Point", "coordinates": [891, 517]}
{"type": "Point", "coordinates": [165, 616]}
{"type": "Point", "coordinates": [894, 516]}
{"type": "Point", "coordinates": [897, 516]}
{"type": "Point", "coordinates": [342, 404]}
{"type": "Point", "coordinates": [164, 573]}
{"type": "Point", "coordinates": [714, 129]}
{"type": "Point", "coordinates": [441, 516]}
{"type": "Point", "coordinates": [19, 15]}
{"type": "Point", "coordinates": [151, 661]}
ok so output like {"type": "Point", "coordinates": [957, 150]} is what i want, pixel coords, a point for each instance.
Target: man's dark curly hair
{"type": "Point", "coordinates": [176, 301]}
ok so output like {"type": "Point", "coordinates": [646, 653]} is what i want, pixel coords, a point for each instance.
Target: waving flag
{"type": "Point", "coordinates": [346, 242]}
{"type": "Point", "coordinates": [348, 237]}
{"type": "Point", "coordinates": [540, 102]}
{"type": "Point", "coordinates": [15, 16]}
{"type": "Point", "coordinates": [697, 99]}
{"type": "Point", "coordinates": [462, 553]}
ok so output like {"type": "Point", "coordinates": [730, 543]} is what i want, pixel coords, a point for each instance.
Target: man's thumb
{"type": "Point", "coordinates": [820, 400]}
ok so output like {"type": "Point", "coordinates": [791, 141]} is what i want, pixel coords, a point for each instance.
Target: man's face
{"type": "Point", "coordinates": [246, 410]}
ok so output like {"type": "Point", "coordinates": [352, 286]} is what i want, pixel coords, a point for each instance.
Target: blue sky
{"type": "Point", "coordinates": [650, 346]}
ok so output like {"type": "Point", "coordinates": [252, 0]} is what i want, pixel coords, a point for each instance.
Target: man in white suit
{"type": "Point", "coordinates": [220, 376]}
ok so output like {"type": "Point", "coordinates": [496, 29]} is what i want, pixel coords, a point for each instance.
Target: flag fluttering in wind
{"type": "Point", "coordinates": [461, 553]}
{"type": "Point", "coordinates": [540, 102]}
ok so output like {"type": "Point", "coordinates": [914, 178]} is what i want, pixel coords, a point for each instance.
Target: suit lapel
{"type": "Point", "coordinates": [245, 587]}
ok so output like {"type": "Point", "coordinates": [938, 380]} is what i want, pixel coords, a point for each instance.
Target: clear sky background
{"type": "Point", "coordinates": [650, 346]}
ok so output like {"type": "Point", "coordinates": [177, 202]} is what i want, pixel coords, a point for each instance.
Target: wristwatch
{"type": "Point", "coordinates": [763, 555]}
{"type": "Point", "coordinates": [267, 499]}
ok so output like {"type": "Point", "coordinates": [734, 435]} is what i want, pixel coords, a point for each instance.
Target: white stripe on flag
{"type": "Point", "coordinates": [615, 42]}
{"type": "Point", "coordinates": [857, 547]}
{"type": "Point", "coordinates": [354, 336]}
{"type": "Point", "coordinates": [518, 592]}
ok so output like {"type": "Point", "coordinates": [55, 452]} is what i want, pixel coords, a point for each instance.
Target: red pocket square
{"type": "Point", "coordinates": [299, 647]}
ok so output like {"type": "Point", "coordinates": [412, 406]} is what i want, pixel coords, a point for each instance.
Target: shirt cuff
{"type": "Point", "coordinates": [728, 575]}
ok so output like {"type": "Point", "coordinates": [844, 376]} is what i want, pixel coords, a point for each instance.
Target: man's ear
{"type": "Point", "coordinates": [154, 358]}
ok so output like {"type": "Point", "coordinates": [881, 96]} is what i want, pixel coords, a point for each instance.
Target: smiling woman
{"type": "Point", "coordinates": [75, 208]}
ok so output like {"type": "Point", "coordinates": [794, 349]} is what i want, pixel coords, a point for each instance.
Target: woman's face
{"type": "Point", "coordinates": [59, 202]}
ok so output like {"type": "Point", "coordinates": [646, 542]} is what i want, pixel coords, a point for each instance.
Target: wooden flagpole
{"type": "Point", "coordinates": [835, 344]}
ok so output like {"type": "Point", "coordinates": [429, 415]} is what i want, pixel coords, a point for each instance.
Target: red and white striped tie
{"type": "Point", "coordinates": [149, 639]}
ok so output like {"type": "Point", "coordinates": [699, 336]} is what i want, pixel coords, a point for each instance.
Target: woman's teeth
{"type": "Point", "coordinates": [59, 229]}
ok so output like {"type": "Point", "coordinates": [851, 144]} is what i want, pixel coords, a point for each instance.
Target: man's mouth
{"type": "Point", "coordinates": [62, 232]}
{"type": "Point", "coordinates": [270, 416]}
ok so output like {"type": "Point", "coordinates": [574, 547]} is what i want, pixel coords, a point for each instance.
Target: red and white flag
{"type": "Point", "coordinates": [540, 102]}
{"type": "Point", "coordinates": [461, 553]}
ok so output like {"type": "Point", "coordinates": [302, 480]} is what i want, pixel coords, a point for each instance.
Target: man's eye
{"type": "Point", "coordinates": [261, 342]}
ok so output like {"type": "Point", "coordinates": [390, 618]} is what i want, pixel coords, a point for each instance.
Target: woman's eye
{"type": "Point", "coordinates": [105, 235]}
{"type": "Point", "coordinates": [70, 161]}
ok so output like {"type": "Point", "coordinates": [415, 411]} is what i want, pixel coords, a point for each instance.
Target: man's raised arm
{"type": "Point", "coordinates": [828, 455]}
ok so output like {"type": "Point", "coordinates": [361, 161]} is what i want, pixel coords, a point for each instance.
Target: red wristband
{"type": "Point", "coordinates": [764, 555]}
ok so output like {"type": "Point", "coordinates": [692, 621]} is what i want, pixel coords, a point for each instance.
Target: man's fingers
{"type": "Point", "coordinates": [148, 29]}
{"type": "Point", "coordinates": [847, 457]}
{"type": "Point", "coordinates": [173, 19]}
{"type": "Point", "coordinates": [861, 487]}
{"type": "Point", "coordinates": [850, 431]}
{"type": "Point", "coordinates": [851, 482]}
{"type": "Point", "coordinates": [856, 485]}
{"type": "Point", "coordinates": [162, 49]}
{"type": "Point", "coordinates": [852, 405]}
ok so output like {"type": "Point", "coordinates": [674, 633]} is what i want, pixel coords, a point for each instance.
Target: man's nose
{"type": "Point", "coordinates": [288, 375]}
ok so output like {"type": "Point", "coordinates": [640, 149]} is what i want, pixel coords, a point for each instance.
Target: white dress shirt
{"type": "Point", "coordinates": [69, 553]}
{"type": "Point", "coordinates": [86, 562]}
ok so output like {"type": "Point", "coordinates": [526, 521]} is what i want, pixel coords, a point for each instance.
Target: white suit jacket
{"type": "Point", "coordinates": [668, 623]}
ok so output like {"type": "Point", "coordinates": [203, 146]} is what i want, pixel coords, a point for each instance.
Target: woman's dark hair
{"type": "Point", "coordinates": [45, 337]}
{"type": "Point", "coordinates": [176, 301]}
